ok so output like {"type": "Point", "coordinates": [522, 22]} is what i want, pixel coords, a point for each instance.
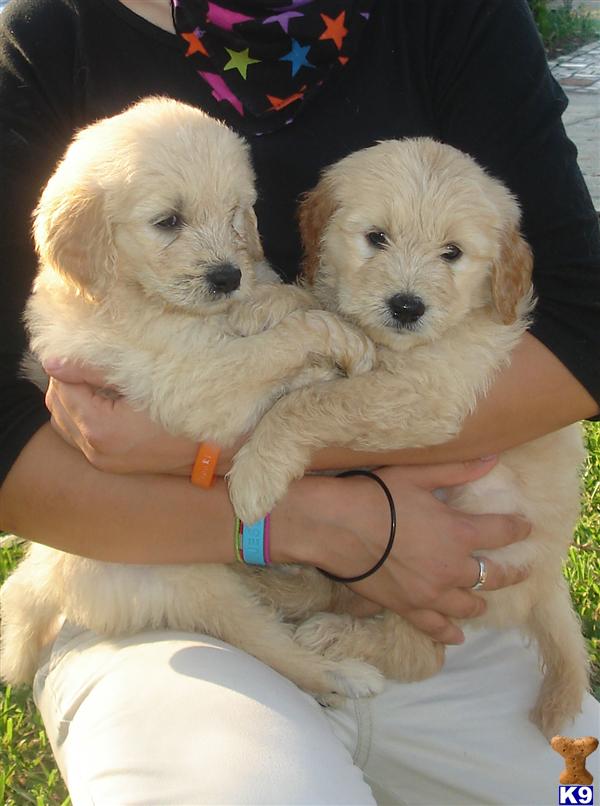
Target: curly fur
{"type": "Point", "coordinates": [138, 214]}
{"type": "Point", "coordinates": [422, 196]}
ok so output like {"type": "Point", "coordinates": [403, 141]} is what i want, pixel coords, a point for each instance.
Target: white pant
{"type": "Point", "coordinates": [175, 719]}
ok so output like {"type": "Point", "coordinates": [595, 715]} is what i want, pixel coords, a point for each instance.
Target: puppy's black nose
{"type": "Point", "coordinates": [406, 308]}
{"type": "Point", "coordinates": [223, 278]}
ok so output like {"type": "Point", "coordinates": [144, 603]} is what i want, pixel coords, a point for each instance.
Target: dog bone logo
{"type": "Point", "coordinates": [575, 752]}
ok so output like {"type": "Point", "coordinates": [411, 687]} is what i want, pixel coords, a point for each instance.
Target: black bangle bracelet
{"type": "Point", "coordinates": [391, 538]}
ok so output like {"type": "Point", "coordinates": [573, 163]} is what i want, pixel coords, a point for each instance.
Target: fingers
{"type": "Point", "coordinates": [71, 372]}
{"type": "Point", "coordinates": [431, 570]}
{"type": "Point", "coordinates": [431, 477]}
{"type": "Point", "coordinates": [62, 429]}
{"type": "Point", "coordinates": [436, 625]}
{"type": "Point", "coordinates": [480, 532]}
{"type": "Point", "coordinates": [77, 416]}
{"type": "Point", "coordinates": [60, 420]}
{"type": "Point", "coordinates": [497, 576]}
{"type": "Point", "coordinates": [113, 436]}
{"type": "Point", "coordinates": [460, 604]}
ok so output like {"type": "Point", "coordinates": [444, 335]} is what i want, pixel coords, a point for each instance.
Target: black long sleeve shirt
{"type": "Point", "coordinates": [470, 73]}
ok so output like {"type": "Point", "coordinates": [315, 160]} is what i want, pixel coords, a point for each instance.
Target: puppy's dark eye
{"type": "Point", "coordinates": [170, 222]}
{"type": "Point", "coordinates": [377, 239]}
{"type": "Point", "coordinates": [451, 252]}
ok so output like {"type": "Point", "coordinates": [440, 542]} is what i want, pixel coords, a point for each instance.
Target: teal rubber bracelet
{"type": "Point", "coordinates": [253, 543]}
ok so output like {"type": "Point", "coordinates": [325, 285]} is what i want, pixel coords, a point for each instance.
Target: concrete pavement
{"type": "Point", "coordinates": [579, 75]}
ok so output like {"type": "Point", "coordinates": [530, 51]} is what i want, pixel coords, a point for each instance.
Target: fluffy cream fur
{"type": "Point", "coordinates": [383, 222]}
{"type": "Point", "coordinates": [130, 229]}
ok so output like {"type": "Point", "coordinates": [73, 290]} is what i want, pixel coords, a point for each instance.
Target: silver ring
{"type": "Point", "coordinates": [482, 574]}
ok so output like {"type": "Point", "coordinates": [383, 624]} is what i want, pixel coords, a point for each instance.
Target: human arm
{"type": "Point", "coordinates": [506, 417]}
{"type": "Point", "coordinates": [53, 495]}
{"type": "Point", "coordinates": [514, 411]}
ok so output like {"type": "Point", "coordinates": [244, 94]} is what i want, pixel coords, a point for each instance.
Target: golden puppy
{"type": "Point", "coordinates": [148, 253]}
{"type": "Point", "coordinates": [418, 246]}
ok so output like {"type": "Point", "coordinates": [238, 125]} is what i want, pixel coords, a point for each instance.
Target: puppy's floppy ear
{"type": "Point", "coordinates": [316, 209]}
{"type": "Point", "coordinates": [73, 233]}
{"type": "Point", "coordinates": [251, 236]}
{"type": "Point", "coordinates": [511, 275]}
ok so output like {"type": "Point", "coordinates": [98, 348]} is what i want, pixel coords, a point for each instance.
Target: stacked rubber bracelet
{"type": "Point", "coordinates": [391, 538]}
{"type": "Point", "coordinates": [251, 541]}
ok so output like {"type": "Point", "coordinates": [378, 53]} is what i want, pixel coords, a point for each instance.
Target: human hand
{"type": "Point", "coordinates": [430, 572]}
{"type": "Point", "coordinates": [112, 435]}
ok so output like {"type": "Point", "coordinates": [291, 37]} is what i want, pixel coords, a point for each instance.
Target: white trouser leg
{"type": "Point", "coordinates": [463, 737]}
{"type": "Point", "coordinates": [172, 719]}
{"type": "Point", "coordinates": [168, 719]}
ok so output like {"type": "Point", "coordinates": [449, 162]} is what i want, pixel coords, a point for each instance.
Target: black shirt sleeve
{"type": "Point", "coordinates": [35, 125]}
{"type": "Point", "coordinates": [494, 97]}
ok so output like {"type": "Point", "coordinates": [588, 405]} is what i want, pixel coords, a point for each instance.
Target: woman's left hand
{"type": "Point", "coordinates": [112, 435]}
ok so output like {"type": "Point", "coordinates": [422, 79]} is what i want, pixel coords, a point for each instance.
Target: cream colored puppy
{"type": "Point", "coordinates": [148, 251]}
{"type": "Point", "coordinates": [418, 246]}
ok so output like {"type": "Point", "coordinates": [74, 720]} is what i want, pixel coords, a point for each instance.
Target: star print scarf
{"type": "Point", "coordinates": [264, 59]}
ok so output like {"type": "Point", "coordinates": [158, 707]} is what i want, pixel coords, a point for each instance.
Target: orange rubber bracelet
{"type": "Point", "coordinates": [205, 464]}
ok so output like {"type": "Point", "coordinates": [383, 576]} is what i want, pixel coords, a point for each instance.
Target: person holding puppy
{"type": "Point", "coordinates": [217, 726]}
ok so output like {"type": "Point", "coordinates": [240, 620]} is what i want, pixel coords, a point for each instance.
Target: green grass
{"type": "Point", "coordinates": [28, 773]}
{"type": "Point", "coordinates": [27, 770]}
{"type": "Point", "coordinates": [583, 568]}
{"type": "Point", "coordinates": [565, 28]}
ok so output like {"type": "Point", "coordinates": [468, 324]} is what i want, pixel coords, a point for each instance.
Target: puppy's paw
{"type": "Point", "coordinates": [350, 349]}
{"type": "Point", "coordinates": [298, 298]}
{"type": "Point", "coordinates": [322, 632]}
{"type": "Point", "coordinates": [407, 654]}
{"type": "Point", "coordinates": [249, 318]}
{"type": "Point", "coordinates": [419, 665]}
{"type": "Point", "coordinates": [359, 355]}
{"type": "Point", "coordinates": [255, 485]}
{"type": "Point", "coordinates": [331, 636]}
{"type": "Point", "coordinates": [354, 678]}
{"type": "Point", "coordinates": [268, 306]}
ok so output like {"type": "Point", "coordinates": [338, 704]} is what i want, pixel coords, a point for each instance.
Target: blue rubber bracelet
{"type": "Point", "coordinates": [253, 543]}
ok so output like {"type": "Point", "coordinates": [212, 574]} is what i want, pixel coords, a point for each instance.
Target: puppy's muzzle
{"type": "Point", "coordinates": [406, 309]}
{"type": "Point", "coordinates": [223, 279]}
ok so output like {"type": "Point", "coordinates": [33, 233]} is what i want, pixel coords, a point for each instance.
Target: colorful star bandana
{"type": "Point", "coordinates": [264, 59]}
